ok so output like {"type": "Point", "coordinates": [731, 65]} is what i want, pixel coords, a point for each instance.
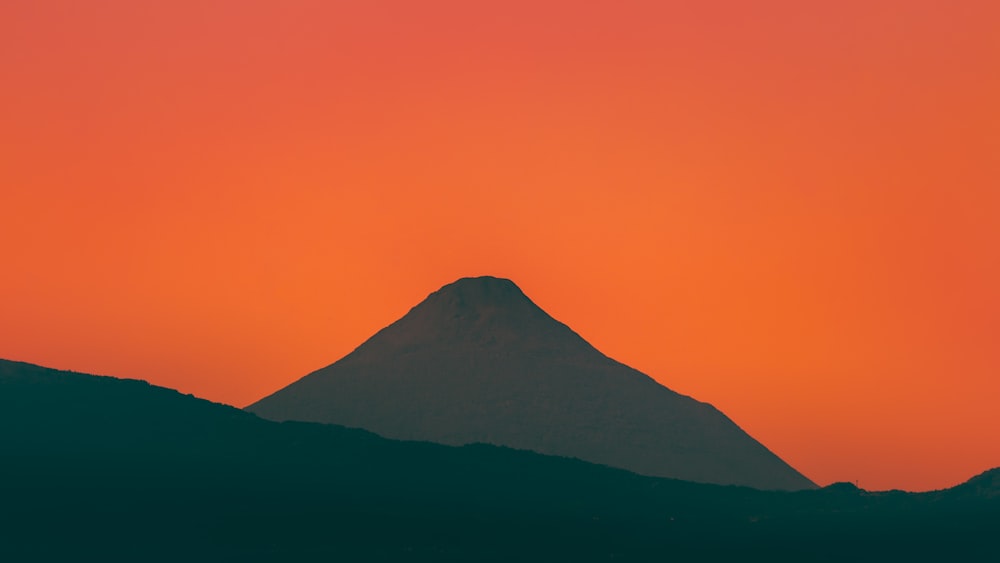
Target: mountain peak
{"type": "Point", "coordinates": [477, 303]}
{"type": "Point", "coordinates": [482, 290]}
{"type": "Point", "coordinates": [480, 281]}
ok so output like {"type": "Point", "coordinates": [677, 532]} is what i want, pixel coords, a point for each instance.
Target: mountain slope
{"type": "Point", "coordinates": [478, 361]}
{"type": "Point", "coordinates": [98, 468]}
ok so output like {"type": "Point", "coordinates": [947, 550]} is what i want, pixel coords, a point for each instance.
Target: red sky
{"type": "Point", "coordinates": [788, 209]}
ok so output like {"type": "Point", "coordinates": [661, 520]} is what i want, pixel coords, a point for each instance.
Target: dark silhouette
{"type": "Point", "coordinates": [478, 361]}
{"type": "Point", "coordinates": [103, 469]}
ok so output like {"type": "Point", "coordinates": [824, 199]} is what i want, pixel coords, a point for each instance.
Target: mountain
{"type": "Point", "coordinates": [478, 361]}
{"type": "Point", "coordinates": [104, 469]}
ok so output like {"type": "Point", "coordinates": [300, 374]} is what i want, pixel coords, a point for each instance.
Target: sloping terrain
{"type": "Point", "coordinates": [97, 468]}
{"type": "Point", "coordinates": [478, 361]}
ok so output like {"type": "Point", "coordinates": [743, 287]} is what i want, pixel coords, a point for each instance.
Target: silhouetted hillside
{"type": "Point", "coordinates": [478, 361]}
{"type": "Point", "coordinates": [986, 485]}
{"type": "Point", "coordinates": [102, 469]}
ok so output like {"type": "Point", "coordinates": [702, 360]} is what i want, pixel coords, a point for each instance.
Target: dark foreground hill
{"type": "Point", "coordinates": [478, 361]}
{"type": "Point", "coordinates": [102, 469]}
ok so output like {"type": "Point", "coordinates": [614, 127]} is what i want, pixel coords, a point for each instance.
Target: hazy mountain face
{"type": "Point", "coordinates": [478, 361]}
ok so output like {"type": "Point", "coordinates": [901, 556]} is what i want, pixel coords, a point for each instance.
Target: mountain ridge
{"type": "Point", "coordinates": [102, 468]}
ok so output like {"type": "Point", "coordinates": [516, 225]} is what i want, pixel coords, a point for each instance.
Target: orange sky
{"type": "Point", "coordinates": [788, 210]}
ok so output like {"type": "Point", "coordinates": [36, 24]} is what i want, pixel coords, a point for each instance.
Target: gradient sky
{"type": "Point", "coordinates": [788, 209]}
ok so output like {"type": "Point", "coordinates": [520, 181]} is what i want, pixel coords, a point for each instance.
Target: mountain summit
{"type": "Point", "coordinates": [478, 361]}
